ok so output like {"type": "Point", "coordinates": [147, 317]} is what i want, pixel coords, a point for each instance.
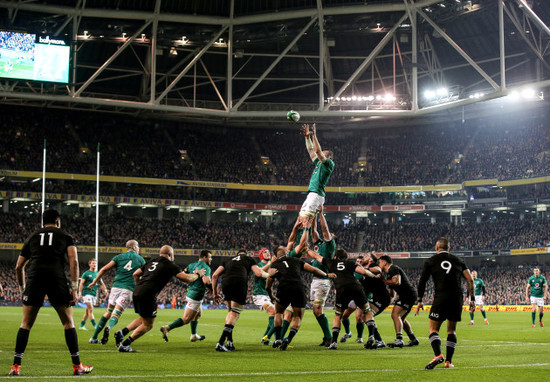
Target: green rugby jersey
{"type": "Point", "coordinates": [259, 283]}
{"type": "Point", "coordinates": [88, 277]}
{"type": "Point", "coordinates": [197, 289]}
{"type": "Point", "coordinates": [478, 285]}
{"type": "Point", "coordinates": [327, 250]}
{"type": "Point", "coordinates": [126, 264]}
{"type": "Point", "coordinates": [320, 176]}
{"type": "Point", "coordinates": [537, 285]}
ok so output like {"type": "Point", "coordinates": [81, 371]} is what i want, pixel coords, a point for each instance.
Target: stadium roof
{"type": "Point", "coordinates": [391, 59]}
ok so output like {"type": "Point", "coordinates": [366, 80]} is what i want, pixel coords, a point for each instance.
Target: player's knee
{"type": "Point", "coordinates": [118, 312]}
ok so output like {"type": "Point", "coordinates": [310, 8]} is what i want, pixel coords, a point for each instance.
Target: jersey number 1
{"type": "Point", "coordinates": [50, 239]}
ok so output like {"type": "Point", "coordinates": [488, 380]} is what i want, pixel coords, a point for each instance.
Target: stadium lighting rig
{"type": "Point", "coordinates": [386, 101]}
{"type": "Point", "coordinates": [441, 95]}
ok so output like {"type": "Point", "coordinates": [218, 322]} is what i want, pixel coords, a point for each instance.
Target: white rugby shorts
{"type": "Point", "coordinates": [312, 204]}
{"type": "Point", "coordinates": [537, 300]}
{"type": "Point", "coordinates": [319, 291]}
{"type": "Point", "coordinates": [260, 300]}
{"type": "Point", "coordinates": [120, 296]}
{"type": "Point", "coordinates": [89, 299]}
{"type": "Point", "coordinates": [479, 300]}
{"type": "Point", "coordinates": [193, 304]}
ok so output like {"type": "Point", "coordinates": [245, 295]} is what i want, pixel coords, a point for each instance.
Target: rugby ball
{"type": "Point", "coordinates": [293, 116]}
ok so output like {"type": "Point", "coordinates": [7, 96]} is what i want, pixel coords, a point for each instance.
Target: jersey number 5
{"type": "Point", "coordinates": [340, 266]}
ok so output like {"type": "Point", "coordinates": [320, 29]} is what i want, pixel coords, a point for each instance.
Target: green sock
{"type": "Point", "coordinates": [471, 316]}
{"type": "Point", "coordinates": [271, 331]}
{"type": "Point", "coordinates": [99, 327]}
{"type": "Point", "coordinates": [540, 316]}
{"type": "Point", "coordinates": [484, 314]}
{"type": "Point", "coordinates": [82, 323]}
{"type": "Point", "coordinates": [533, 314]}
{"type": "Point", "coordinates": [194, 325]}
{"type": "Point", "coordinates": [346, 325]}
{"type": "Point", "coordinates": [112, 322]}
{"type": "Point", "coordinates": [176, 324]}
{"type": "Point", "coordinates": [323, 323]}
{"type": "Point", "coordinates": [93, 322]}
{"type": "Point", "coordinates": [286, 324]}
{"type": "Point", "coordinates": [270, 322]}
{"type": "Point", "coordinates": [360, 327]}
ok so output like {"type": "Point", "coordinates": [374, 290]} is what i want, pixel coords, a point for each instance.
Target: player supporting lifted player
{"type": "Point", "coordinates": [538, 287]}
{"type": "Point", "coordinates": [89, 295]}
{"type": "Point", "coordinates": [324, 166]}
{"type": "Point", "coordinates": [121, 292]}
{"type": "Point", "coordinates": [235, 289]}
{"type": "Point", "coordinates": [479, 298]}
{"type": "Point", "coordinates": [261, 298]}
{"type": "Point", "coordinates": [447, 271]}
{"type": "Point", "coordinates": [150, 280]}
{"type": "Point", "coordinates": [291, 291]}
{"type": "Point", "coordinates": [195, 295]}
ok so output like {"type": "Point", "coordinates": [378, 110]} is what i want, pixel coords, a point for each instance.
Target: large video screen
{"type": "Point", "coordinates": [31, 57]}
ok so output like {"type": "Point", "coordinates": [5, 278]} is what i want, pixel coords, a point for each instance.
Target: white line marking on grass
{"type": "Point", "coordinates": [271, 374]}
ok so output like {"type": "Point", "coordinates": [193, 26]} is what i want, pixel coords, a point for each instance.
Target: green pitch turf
{"type": "Point", "coordinates": [507, 349]}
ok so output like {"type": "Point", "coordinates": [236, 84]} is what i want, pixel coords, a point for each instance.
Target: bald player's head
{"type": "Point", "coordinates": [442, 245]}
{"type": "Point", "coordinates": [132, 245]}
{"type": "Point", "coordinates": [167, 252]}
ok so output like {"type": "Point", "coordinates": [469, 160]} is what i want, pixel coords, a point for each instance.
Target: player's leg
{"type": "Point", "coordinates": [119, 335]}
{"type": "Point", "coordinates": [191, 311]}
{"type": "Point", "coordinates": [297, 315]}
{"type": "Point", "coordinates": [472, 311]}
{"type": "Point", "coordinates": [29, 317]}
{"type": "Point", "coordinates": [533, 311]}
{"type": "Point", "coordinates": [287, 319]}
{"type": "Point", "coordinates": [233, 315]}
{"type": "Point", "coordinates": [344, 319]}
{"type": "Point", "coordinates": [398, 325]}
{"type": "Point", "coordinates": [195, 323]}
{"type": "Point", "coordinates": [142, 325]}
{"type": "Point", "coordinates": [413, 341]}
{"type": "Point", "coordinates": [541, 311]}
{"type": "Point", "coordinates": [359, 325]}
{"type": "Point", "coordinates": [319, 292]}
{"type": "Point", "coordinates": [484, 314]}
{"type": "Point", "coordinates": [65, 314]}
{"type": "Point", "coordinates": [88, 313]}
{"type": "Point", "coordinates": [278, 323]}
{"type": "Point", "coordinates": [270, 310]}
{"type": "Point", "coordinates": [435, 342]}
{"type": "Point", "coordinates": [369, 321]}
{"type": "Point", "coordinates": [103, 320]}
{"type": "Point", "coordinates": [336, 323]}
{"type": "Point", "coordinates": [451, 343]}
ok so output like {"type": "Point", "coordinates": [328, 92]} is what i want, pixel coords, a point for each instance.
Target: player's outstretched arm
{"type": "Point", "coordinates": [527, 292]}
{"type": "Point", "coordinates": [269, 288]}
{"type": "Point", "coordinates": [190, 277]}
{"type": "Point", "coordinates": [317, 272]}
{"type": "Point", "coordinates": [314, 234]}
{"type": "Point", "coordinates": [101, 272]}
{"type": "Point", "coordinates": [361, 270]}
{"type": "Point", "coordinates": [309, 142]}
{"type": "Point", "coordinates": [293, 234]}
{"type": "Point", "coordinates": [327, 236]}
{"type": "Point", "coordinates": [316, 145]}
{"type": "Point", "coordinates": [314, 255]}
{"type": "Point", "coordinates": [303, 242]}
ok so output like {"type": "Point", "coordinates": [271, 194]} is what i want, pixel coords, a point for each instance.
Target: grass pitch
{"type": "Point", "coordinates": [507, 349]}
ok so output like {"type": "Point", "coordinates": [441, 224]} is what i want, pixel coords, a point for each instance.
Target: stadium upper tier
{"type": "Point", "coordinates": [501, 148]}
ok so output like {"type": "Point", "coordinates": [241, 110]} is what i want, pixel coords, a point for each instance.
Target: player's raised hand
{"type": "Point", "coordinates": [313, 129]}
{"type": "Point", "coordinates": [305, 130]}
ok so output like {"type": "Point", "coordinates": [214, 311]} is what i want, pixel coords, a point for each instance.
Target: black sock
{"type": "Point", "coordinates": [20, 345]}
{"type": "Point", "coordinates": [71, 338]}
{"type": "Point", "coordinates": [278, 332]}
{"type": "Point", "coordinates": [291, 334]}
{"type": "Point", "coordinates": [226, 334]}
{"type": "Point", "coordinates": [540, 316]}
{"type": "Point", "coordinates": [451, 345]}
{"type": "Point", "coordinates": [335, 334]}
{"type": "Point", "coordinates": [411, 336]}
{"type": "Point", "coordinates": [435, 341]}
{"type": "Point", "coordinates": [399, 336]}
{"type": "Point", "coordinates": [128, 341]}
{"type": "Point", "coordinates": [377, 335]}
{"type": "Point", "coordinates": [370, 327]}
{"type": "Point", "coordinates": [125, 331]}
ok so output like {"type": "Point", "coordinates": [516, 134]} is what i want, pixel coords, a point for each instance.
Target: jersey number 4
{"type": "Point", "coordinates": [50, 239]}
{"type": "Point", "coordinates": [128, 266]}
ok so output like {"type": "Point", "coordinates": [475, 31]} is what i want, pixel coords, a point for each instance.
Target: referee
{"type": "Point", "coordinates": [447, 271]}
{"type": "Point", "coordinates": [47, 251]}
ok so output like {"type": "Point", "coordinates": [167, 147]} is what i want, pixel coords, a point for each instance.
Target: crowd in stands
{"type": "Point", "coordinates": [504, 286]}
{"type": "Point", "coordinates": [503, 148]}
{"type": "Point", "coordinates": [504, 232]}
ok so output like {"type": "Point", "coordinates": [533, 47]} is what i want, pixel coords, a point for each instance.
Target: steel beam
{"type": "Point", "coordinates": [367, 60]}
{"type": "Point", "coordinates": [459, 49]}
{"type": "Point", "coordinates": [273, 64]}
{"type": "Point", "coordinates": [111, 59]}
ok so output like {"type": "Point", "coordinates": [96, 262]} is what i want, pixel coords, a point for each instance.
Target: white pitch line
{"type": "Point", "coordinates": [271, 374]}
